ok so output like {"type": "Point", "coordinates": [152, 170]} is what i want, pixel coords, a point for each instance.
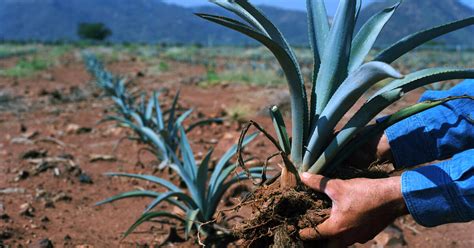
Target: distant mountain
{"type": "Point", "coordinates": [413, 15]}
{"type": "Point", "coordinates": [155, 21]}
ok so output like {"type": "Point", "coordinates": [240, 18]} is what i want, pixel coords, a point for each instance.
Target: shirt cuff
{"type": "Point", "coordinates": [431, 196]}
{"type": "Point", "coordinates": [409, 143]}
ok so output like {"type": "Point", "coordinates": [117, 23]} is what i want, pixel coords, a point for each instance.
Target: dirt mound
{"type": "Point", "coordinates": [278, 214]}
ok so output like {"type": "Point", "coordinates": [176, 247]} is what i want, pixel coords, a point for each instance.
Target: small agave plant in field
{"type": "Point", "coordinates": [340, 78]}
{"type": "Point", "coordinates": [198, 202]}
{"type": "Point", "coordinates": [156, 127]}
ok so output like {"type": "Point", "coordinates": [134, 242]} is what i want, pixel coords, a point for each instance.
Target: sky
{"type": "Point", "coordinates": [289, 4]}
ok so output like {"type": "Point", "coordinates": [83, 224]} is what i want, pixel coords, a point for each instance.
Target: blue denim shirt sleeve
{"type": "Point", "coordinates": [441, 193]}
{"type": "Point", "coordinates": [437, 133]}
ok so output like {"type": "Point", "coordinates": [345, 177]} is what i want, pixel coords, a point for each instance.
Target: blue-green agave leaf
{"type": "Point", "coordinates": [343, 99]}
{"type": "Point", "coordinates": [336, 53]}
{"type": "Point", "coordinates": [149, 216]}
{"type": "Point", "coordinates": [141, 193]}
{"type": "Point", "coordinates": [299, 105]}
{"type": "Point", "coordinates": [159, 115]}
{"type": "Point", "coordinates": [280, 129]}
{"type": "Point", "coordinates": [190, 220]}
{"type": "Point", "coordinates": [224, 160]}
{"type": "Point", "coordinates": [188, 156]}
{"type": "Point", "coordinates": [160, 181]}
{"type": "Point", "coordinates": [356, 124]}
{"type": "Point", "coordinates": [241, 12]}
{"type": "Point", "coordinates": [366, 37]}
{"type": "Point", "coordinates": [169, 195]}
{"type": "Point", "coordinates": [412, 41]}
{"type": "Point", "coordinates": [318, 26]}
{"type": "Point", "coordinates": [427, 76]}
{"type": "Point", "coordinates": [172, 112]}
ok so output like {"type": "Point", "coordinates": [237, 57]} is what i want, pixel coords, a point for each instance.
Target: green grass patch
{"type": "Point", "coordinates": [26, 67]}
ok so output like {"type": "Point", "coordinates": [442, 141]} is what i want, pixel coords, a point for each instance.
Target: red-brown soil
{"type": "Point", "coordinates": [73, 220]}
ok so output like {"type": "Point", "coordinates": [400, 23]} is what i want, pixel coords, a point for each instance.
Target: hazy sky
{"type": "Point", "coordinates": [290, 4]}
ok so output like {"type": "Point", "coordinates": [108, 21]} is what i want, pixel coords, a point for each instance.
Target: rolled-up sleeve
{"type": "Point", "coordinates": [437, 133]}
{"type": "Point", "coordinates": [441, 193]}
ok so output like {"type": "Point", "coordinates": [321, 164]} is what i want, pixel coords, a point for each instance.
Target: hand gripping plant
{"type": "Point", "coordinates": [340, 77]}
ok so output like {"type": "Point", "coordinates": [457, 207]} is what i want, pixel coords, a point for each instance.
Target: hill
{"type": "Point", "coordinates": [413, 15]}
{"type": "Point", "coordinates": [154, 21]}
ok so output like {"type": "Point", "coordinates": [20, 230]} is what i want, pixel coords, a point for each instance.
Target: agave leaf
{"type": "Point", "coordinates": [156, 140]}
{"type": "Point", "coordinates": [244, 14]}
{"type": "Point", "coordinates": [299, 107]}
{"type": "Point", "coordinates": [201, 180]}
{"type": "Point", "coordinates": [216, 197]}
{"type": "Point", "coordinates": [137, 118]}
{"type": "Point", "coordinates": [149, 110]}
{"type": "Point", "coordinates": [142, 108]}
{"type": "Point", "coordinates": [343, 99]}
{"type": "Point", "coordinates": [356, 124]}
{"type": "Point", "coordinates": [130, 194]}
{"type": "Point", "coordinates": [367, 36]}
{"type": "Point", "coordinates": [168, 195]}
{"type": "Point", "coordinates": [189, 162]}
{"type": "Point", "coordinates": [149, 216]}
{"type": "Point", "coordinates": [280, 129]}
{"type": "Point", "coordinates": [426, 76]}
{"type": "Point", "coordinates": [318, 26]}
{"type": "Point", "coordinates": [165, 183]}
{"type": "Point", "coordinates": [255, 172]}
{"type": "Point", "coordinates": [387, 122]}
{"type": "Point", "coordinates": [336, 53]}
{"type": "Point", "coordinates": [172, 112]}
{"type": "Point", "coordinates": [299, 104]}
{"type": "Point", "coordinates": [203, 123]}
{"type": "Point", "coordinates": [190, 220]}
{"type": "Point", "coordinates": [179, 121]}
{"type": "Point", "coordinates": [141, 193]}
{"type": "Point", "coordinates": [224, 160]}
{"type": "Point", "coordinates": [412, 41]}
{"type": "Point", "coordinates": [213, 197]}
{"type": "Point", "coordinates": [358, 9]}
{"type": "Point", "coordinates": [159, 114]}
{"type": "Point", "coordinates": [268, 26]}
{"type": "Point", "coordinates": [183, 117]}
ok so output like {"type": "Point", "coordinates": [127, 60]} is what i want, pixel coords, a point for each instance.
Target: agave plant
{"type": "Point", "coordinates": [156, 127]}
{"type": "Point", "coordinates": [340, 76]}
{"type": "Point", "coordinates": [199, 200]}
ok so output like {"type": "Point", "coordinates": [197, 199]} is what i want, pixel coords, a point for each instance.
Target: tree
{"type": "Point", "coordinates": [93, 31]}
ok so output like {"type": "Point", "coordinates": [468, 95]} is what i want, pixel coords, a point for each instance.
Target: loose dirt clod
{"type": "Point", "coordinates": [278, 215]}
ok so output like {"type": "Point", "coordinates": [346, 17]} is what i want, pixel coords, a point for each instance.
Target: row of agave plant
{"type": "Point", "coordinates": [164, 133]}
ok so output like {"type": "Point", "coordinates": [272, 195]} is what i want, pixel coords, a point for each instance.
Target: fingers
{"type": "Point", "coordinates": [319, 183]}
{"type": "Point", "coordinates": [324, 230]}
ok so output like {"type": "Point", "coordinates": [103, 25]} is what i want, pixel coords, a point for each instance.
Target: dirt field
{"type": "Point", "coordinates": [55, 114]}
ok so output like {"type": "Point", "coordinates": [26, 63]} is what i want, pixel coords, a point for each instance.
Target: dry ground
{"type": "Point", "coordinates": [62, 208]}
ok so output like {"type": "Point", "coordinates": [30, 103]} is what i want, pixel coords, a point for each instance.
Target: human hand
{"type": "Point", "coordinates": [361, 208]}
{"type": "Point", "coordinates": [377, 148]}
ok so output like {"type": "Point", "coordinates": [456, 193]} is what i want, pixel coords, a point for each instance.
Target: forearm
{"type": "Point", "coordinates": [441, 193]}
{"type": "Point", "coordinates": [435, 134]}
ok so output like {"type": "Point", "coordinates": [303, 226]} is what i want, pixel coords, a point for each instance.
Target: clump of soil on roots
{"type": "Point", "coordinates": [279, 213]}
